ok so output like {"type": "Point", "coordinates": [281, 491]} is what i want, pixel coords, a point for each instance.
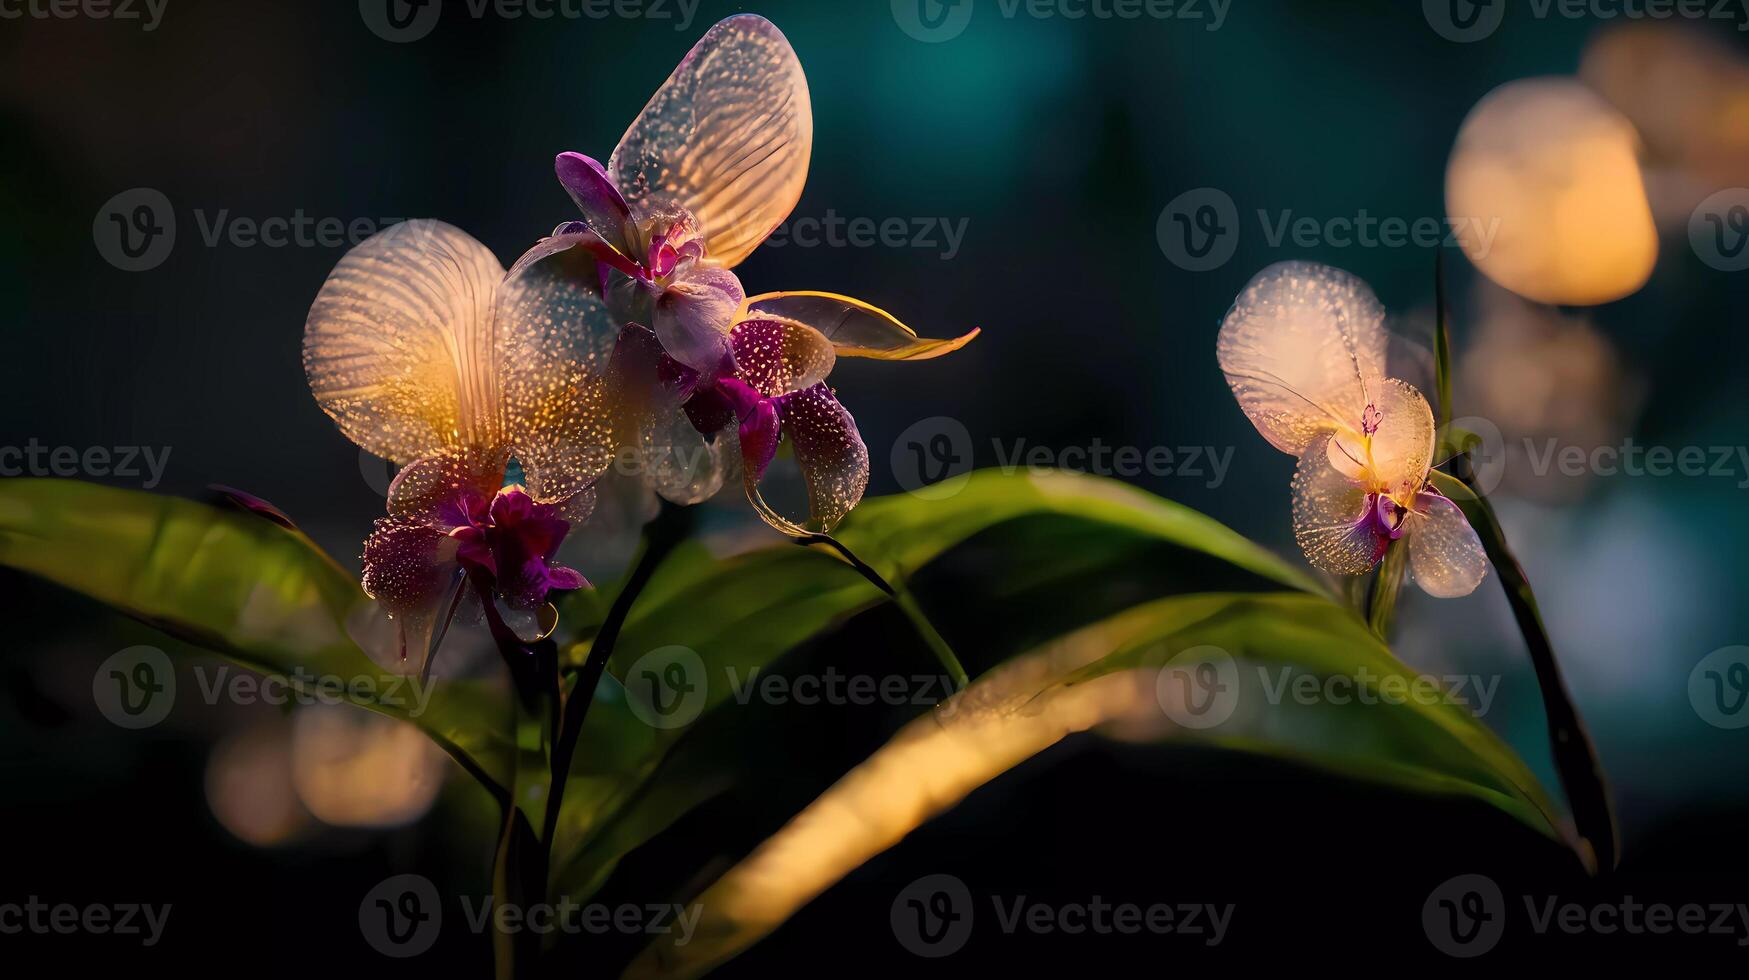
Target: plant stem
{"type": "Point", "coordinates": [907, 604]}
{"type": "Point", "coordinates": [671, 526]}
{"type": "Point", "coordinates": [1575, 756]}
{"type": "Point", "coordinates": [1381, 601]}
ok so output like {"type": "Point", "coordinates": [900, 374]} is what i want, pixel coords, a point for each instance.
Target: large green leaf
{"type": "Point", "coordinates": [241, 586]}
{"type": "Point", "coordinates": [1119, 670]}
{"type": "Point", "coordinates": [1008, 565]}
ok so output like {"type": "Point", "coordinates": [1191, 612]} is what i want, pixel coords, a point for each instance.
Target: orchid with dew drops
{"type": "Point", "coordinates": [713, 164]}
{"type": "Point", "coordinates": [424, 352]}
{"type": "Point", "coordinates": [1304, 350]}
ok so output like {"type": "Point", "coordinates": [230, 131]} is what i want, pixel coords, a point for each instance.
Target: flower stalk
{"type": "Point", "coordinates": [902, 598]}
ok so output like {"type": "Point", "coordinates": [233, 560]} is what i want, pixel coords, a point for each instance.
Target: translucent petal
{"type": "Point", "coordinates": [398, 344]}
{"type": "Point", "coordinates": [1396, 458]}
{"type": "Point", "coordinates": [1302, 348]}
{"type": "Point", "coordinates": [410, 569]}
{"type": "Point", "coordinates": [681, 464]}
{"type": "Point", "coordinates": [448, 490]}
{"type": "Point", "coordinates": [1445, 556]}
{"type": "Point", "coordinates": [830, 453]}
{"type": "Point", "coordinates": [555, 338]}
{"type": "Point", "coordinates": [727, 137]}
{"type": "Point", "coordinates": [855, 328]}
{"type": "Point", "coordinates": [777, 357]}
{"type": "Point", "coordinates": [1330, 512]}
{"type": "Point", "coordinates": [693, 316]}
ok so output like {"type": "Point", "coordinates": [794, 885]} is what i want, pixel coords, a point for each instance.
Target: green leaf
{"type": "Point", "coordinates": [1012, 563]}
{"type": "Point", "coordinates": [241, 586]}
{"type": "Point", "coordinates": [1123, 669]}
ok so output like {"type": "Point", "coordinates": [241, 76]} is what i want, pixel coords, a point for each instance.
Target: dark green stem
{"type": "Point", "coordinates": [1575, 757]}
{"type": "Point", "coordinates": [671, 526]}
{"type": "Point", "coordinates": [903, 599]}
{"type": "Point", "coordinates": [1381, 601]}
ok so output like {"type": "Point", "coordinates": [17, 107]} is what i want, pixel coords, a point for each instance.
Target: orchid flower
{"type": "Point", "coordinates": [425, 353]}
{"type": "Point", "coordinates": [1304, 350]}
{"type": "Point", "coordinates": [713, 164]}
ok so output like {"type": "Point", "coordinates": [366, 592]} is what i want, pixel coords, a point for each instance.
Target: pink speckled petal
{"type": "Point", "coordinates": [777, 357]}
{"type": "Point", "coordinates": [830, 453]}
{"type": "Point", "coordinates": [449, 490]}
{"type": "Point", "coordinates": [411, 570]}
